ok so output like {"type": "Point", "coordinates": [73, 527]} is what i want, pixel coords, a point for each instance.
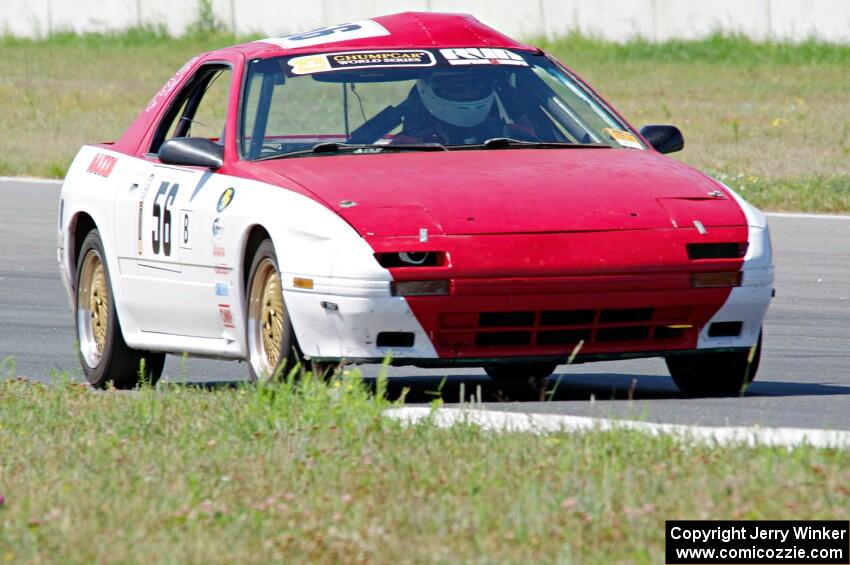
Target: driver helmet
{"type": "Point", "coordinates": [461, 99]}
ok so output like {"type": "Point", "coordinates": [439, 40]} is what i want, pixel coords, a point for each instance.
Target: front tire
{"type": "Point", "coordinates": [272, 348]}
{"type": "Point", "coordinates": [715, 374]}
{"type": "Point", "coordinates": [104, 355]}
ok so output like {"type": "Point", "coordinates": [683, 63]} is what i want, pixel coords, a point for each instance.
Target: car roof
{"type": "Point", "coordinates": [414, 30]}
{"type": "Point", "coordinates": [404, 30]}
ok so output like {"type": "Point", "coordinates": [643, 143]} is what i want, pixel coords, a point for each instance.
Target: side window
{"type": "Point", "coordinates": [199, 110]}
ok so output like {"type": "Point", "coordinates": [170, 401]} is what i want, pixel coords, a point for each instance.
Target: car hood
{"type": "Point", "coordinates": [511, 191]}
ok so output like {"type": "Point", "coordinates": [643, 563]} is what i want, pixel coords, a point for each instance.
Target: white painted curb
{"type": "Point", "coordinates": [550, 423]}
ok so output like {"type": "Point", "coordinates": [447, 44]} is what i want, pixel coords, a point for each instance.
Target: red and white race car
{"type": "Point", "coordinates": [415, 185]}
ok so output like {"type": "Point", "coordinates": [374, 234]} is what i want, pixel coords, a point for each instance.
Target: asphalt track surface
{"type": "Point", "coordinates": [804, 379]}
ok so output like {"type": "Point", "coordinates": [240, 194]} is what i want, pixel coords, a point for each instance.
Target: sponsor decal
{"type": "Point", "coordinates": [168, 86]}
{"type": "Point", "coordinates": [225, 199]}
{"type": "Point", "coordinates": [186, 224]}
{"type": "Point", "coordinates": [226, 315]}
{"type": "Point", "coordinates": [102, 165]}
{"type": "Point", "coordinates": [361, 60]}
{"type": "Point", "coordinates": [331, 34]}
{"type": "Point", "coordinates": [624, 138]}
{"type": "Point", "coordinates": [218, 251]}
{"type": "Point", "coordinates": [221, 269]}
{"type": "Point", "coordinates": [218, 228]}
{"type": "Point", "coordinates": [482, 56]}
{"type": "Point", "coordinates": [222, 289]}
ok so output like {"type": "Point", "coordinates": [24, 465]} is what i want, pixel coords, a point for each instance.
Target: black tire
{"type": "Point", "coordinates": [274, 357]}
{"type": "Point", "coordinates": [520, 371]}
{"type": "Point", "coordinates": [714, 374]}
{"type": "Point", "coordinates": [104, 355]}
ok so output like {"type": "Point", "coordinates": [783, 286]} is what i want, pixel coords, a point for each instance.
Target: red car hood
{"type": "Point", "coordinates": [510, 191]}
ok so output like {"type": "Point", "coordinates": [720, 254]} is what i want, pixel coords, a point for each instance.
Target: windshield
{"type": "Point", "coordinates": [418, 99]}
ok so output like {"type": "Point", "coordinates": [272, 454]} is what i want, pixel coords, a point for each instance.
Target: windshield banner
{"type": "Point", "coordinates": [324, 62]}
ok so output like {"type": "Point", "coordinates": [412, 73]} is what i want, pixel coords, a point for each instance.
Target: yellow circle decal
{"type": "Point", "coordinates": [225, 199]}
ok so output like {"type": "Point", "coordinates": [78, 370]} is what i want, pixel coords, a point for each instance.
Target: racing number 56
{"type": "Point", "coordinates": [161, 234]}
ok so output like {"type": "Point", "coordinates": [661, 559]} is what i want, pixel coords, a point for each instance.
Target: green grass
{"type": "Point", "coordinates": [802, 194]}
{"type": "Point", "coordinates": [66, 91]}
{"type": "Point", "coordinates": [724, 49]}
{"type": "Point", "coordinates": [313, 472]}
{"type": "Point", "coordinates": [772, 111]}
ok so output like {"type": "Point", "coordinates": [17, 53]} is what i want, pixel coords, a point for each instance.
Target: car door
{"type": "Point", "coordinates": [164, 255]}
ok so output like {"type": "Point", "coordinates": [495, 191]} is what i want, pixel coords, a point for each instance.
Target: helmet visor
{"type": "Point", "coordinates": [459, 88]}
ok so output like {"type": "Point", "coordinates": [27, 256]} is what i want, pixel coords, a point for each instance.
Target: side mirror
{"type": "Point", "coordinates": [665, 139]}
{"type": "Point", "coordinates": [192, 151]}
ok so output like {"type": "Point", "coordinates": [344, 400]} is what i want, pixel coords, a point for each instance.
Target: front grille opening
{"type": "Point", "coordinates": [562, 337]}
{"type": "Point", "coordinates": [503, 338]}
{"type": "Point", "coordinates": [697, 251]}
{"type": "Point", "coordinates": [396, 339]}
{"type": "Point", "coordinates": [564, 329]}
{"type": "Point", "coordinates": [626, 315]}
{"type": "Point", "coordinates": [662, 332]}
{"type": "Point", "coordinates": [566, 318]}
{"type": "Point", "coordinates": [622, 334]}
{"type": "Point", "coordinates": [725, 329]}
{"type": "Point", "coordinates": [502, 319]}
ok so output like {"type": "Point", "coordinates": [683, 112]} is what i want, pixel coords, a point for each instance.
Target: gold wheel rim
{"type": "Point", "coordinates": [271, 318]}
{"type": "Point", "coordinates": [267, 320]}
{"type": "Point", "coordinates": [99, 301]}
{"type": "Point", "coordinates": [93, 308]}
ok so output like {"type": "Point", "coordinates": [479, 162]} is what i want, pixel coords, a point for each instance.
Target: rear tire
{"type": "Point", "coordinates": [272, 349]}
{"type": "Point", "coordinates": [520, 371]}
{"type": "Point", "coordinates": [104, 355]}
{"type": "Point", "coordinates": [715, 374]}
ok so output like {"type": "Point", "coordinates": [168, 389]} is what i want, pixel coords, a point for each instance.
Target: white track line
{"type": "Point", "coordinates": [31, 180]}
{"type": "Point", "coordinates": [550, 423]}
{"type": "Point", "coordinates": [34, 180]}
{"type": "Point", "coordinates": [807, 216]}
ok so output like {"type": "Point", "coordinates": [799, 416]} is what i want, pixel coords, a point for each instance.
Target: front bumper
{"type": "Point", "coordinates": [341, 318]}
{"type": "Point", "coordinates": [523, 319]}
{"type": "Point", "coordinates": [617, 294]}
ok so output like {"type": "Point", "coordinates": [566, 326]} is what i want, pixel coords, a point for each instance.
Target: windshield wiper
{"type": "Point", "coordinates": [331, 147]}
{"type": "Point", "coordinates": [505, 142]}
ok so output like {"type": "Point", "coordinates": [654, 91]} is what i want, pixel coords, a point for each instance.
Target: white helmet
{"type": "Point", "coordinates": [456, 98]}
